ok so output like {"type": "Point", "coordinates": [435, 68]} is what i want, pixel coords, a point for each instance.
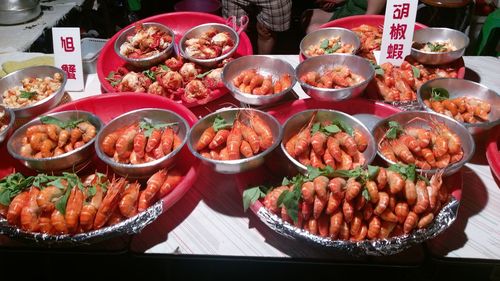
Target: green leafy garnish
{"type": "Point", "coordinates": [253, 194]}
{"type": "Point", "coordinates": [61, 203]}
{"type": "Point", "coordinates": [324, 44]}
{"type": "Point", "coordinates": [150, 74]}
{"type": "Point", "coordinates": [344, 126]}
{"type": "Point", "coordinates": [112, 80]}
{"type": "Point", "coordinates": [439, 94]}
{"type": "Point", "coordinates": [366, 194]}
{"type": "Point", "coordinates": [43, 180]}
{"type": "Point", "coordinates": [147, 126]}
{"type": "Point", "coordinates": [395, 129]}
{"type": "Point", "coordinates": [164, 67]}
{"type": "Point", "coordinates": [12, 185]}
{"type": "Point", "coordinates": [378, 69]}
{"type": "Point", "coordinates": [407, 171]}
{"type": "Point", "coordinates": [372, 171]}
{"type": "Point", "coordinates": [327, 130]}
{"type": "Point", "coordinates": [27, 95]}
{"type": "Point", "coordinates": [70, 124]}
{"type": "Point", "coordinates": [333, 49]}
{"type": "Point", "coordinates": [220, 123]}
{"type": "Point", "coordinates": [416, 71]}
{"type": "Point", "coordinates": [435, 47]}
{"type": "Point", "coordinates": [199, 76]}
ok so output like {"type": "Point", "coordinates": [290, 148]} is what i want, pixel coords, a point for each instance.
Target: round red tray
{"type": "Point", "coordinates": [493, 152]}
{"type": "Point", "coordinates": [179, 22]}
{"type": "Point", "coordinates": [107, 107]}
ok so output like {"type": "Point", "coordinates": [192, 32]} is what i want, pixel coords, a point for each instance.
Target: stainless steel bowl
{"type": "Point", "coordinates": [197, 31]}
{"type": "Point", "coordinates": [357, 65]}
{"type": "Point", "coordinates": [146, 169]}
{"type": "Point", "coordinates": [430, 34]}
{"type": "Point", "coordinates": [314, 38]}
{"type": "Point", "coordinates": [14, 79]}
{"type": "Point", "coordinates": [149, 61]}
{"type": "Point", "coordinates": [265, 65]}
{"type": "Point", "coordinates": [421, 119]}
{"type": "Point", "coordinates": [7, 119]}
{"type": "Point", "coordinates": [297, 121]}
{"type": "Point", "coordinates": [234, 166]}
{"type": "Point", "coordinates": [71, 161]}
{"type": "Point", "coordinates": [19, 11]}
{"type": "Point", "coordinates": [464, 88]}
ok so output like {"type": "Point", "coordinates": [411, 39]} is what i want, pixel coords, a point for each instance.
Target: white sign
{"type": "Point", "coordinates": [68, 55]}
{"type": "Point", "coordinates": [399, 24]}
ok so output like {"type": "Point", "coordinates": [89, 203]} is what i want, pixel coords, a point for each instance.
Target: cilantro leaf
{"type": "Point", "coordinates": [315, 127]}
{"type": "Point", "coordinates": [378, 69]}
{"type": "Point", "coordinates": [324, 44]}
{"type": "Point", "coordinates": [150, 74]}
{"type": "Point", "coordinates": [435, 47]}
{"type": "Point", "coordinates": [407, 171]}
{"type": "Point", "coordinates": [71, 123]}
{"type": "Point", "coordinates": [199, 76]}
{"type": "Point", "coordinates": [395, 129]}
{"type": "Point", "coordinates": [334, 48]}
{"type": "Point", "coordinates": [416, 71]}
{"type": "Point", "coordinates": [61, 203]}
{"type": "Point", "coordinates": [366, 194]}
{"type": "Point", "coordinates": [251, 195]}
{"type": "Point", "coordinates": [332, 129]}
{"type": "Point", "coordinates": [27, 95]}
{"type": "Point", "coordinates": [344, 126]}
{"type": "Point", "coordinates": [164, 67]}
{"type": "Point", "coordinates": [439, 94]}
{"type": "Point", "coordinates": [147, 126]}
{"type": "Point", "coordinates": [220, 123]}
{"type": "Point", "coordinates": [372, 171]}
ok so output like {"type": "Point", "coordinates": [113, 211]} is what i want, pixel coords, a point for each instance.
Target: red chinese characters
{"type": "Point", "coordinates": [67, 44]}
{"type": "Point", "coordinates": [401, 11]}
{"type": "Point", "coordinates": [395, 51]}
{"type": "Point", "coordinates": [398, 31]}
{"type": "Point", "coordinates": [70, 70]}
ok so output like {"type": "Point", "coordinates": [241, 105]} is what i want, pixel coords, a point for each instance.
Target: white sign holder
{"type": "Point", "coordinates": [68, 55]}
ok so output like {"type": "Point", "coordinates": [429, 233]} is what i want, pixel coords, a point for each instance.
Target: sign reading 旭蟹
{"type": "Point", "coordinates": [68, 55]}
{"type": "Point", "coordinates": [397, 37]}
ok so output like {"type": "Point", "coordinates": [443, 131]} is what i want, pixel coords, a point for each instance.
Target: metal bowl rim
{"type": "Point", "coordinates": [12, 116]}
{"type": "Point", "coordinates": [216, 59]}
{"type": "Point", "coordinates": [487, 124]}
{"type": "Point", "coordinates": [40, 102]}
{"type": "Point", "coordinates": [147, 59]}
{"type": "Point", "coordinates": [451, 167]}
{"type": "Point", "coordinates": [354, 51]}
{"type": "Point", "coordinates": [238, 161]}
{"type": "Point", "coordinates": [106, 159]}
{"type": "Point", "coordinates": [18, 156]}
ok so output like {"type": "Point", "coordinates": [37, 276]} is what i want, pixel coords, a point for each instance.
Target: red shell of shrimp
{"type": "Point", "coordinates": [153, 186]}
{"type": "Point", "coordinates": [16, 206]}
{"type": "Point", "coordinates": [31, 212]}
{"type": "Point", "coordinates": [128, 203]}
{"type": "Point", "coordinates": [73, 209]}
{"type": "Point", "coordinates": [109, 203]}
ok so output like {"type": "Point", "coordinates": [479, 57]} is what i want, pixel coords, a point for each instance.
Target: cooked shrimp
{"type": "Point", "coordinates": [422, 198]}
{"type": "Point", "coordinates": [128, 202]}
{"type": "Point", "coordinates": [89, 131]}
{"type": "Point", "coordinates": [153, 186]}
{"type": "Point", "coordinates": [31, 211]}
{"type": "Point", "coordinates": [109, 203]}
{"type": "Point", "coordinates": [73, 209]}
{"type": "Point", "coordinates": [16, 206]}
{"type": "Point", "coordinates": [206, 138]}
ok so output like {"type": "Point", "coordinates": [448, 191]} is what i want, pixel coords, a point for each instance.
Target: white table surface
{"type": "Point", "coordinates": [209, 219]}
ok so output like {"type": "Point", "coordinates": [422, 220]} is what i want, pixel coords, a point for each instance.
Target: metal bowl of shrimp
{"type": "Point", "coordinates": [137, 168]}
{"type": "Point", "coordinates": [431, 141]}
{"type": "Point", "coordinates": [323, 41]}
{"type": "Point", "coordinates": [263, 137]}
{"type": "Point", "coordinates": [7, 119]}
{"type": "Point", "coordinates": [148, 61]}
{"type": "Point", "coordinates": [56, 150]}
{"type": "Point", "coordinates": [481, 106]}
{"type": "Point", "coordinates": [303, 145]}
{"type": "Point", "coordinates": [259, 71]}
{"type": "Point", "coordinates": [225, 39]}
{"type": "Point", "coordinates": [34, 106]}
{"type": "Point", "coordinates": [346, 64]}
{"type": "Point", "coordinates": [438, 45]}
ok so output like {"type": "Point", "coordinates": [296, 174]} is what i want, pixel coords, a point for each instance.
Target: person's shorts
{"type": "Point", "coordinates": [274, 14]}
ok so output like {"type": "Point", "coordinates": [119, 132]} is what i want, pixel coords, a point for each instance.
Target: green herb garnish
{"type": "Point", "coordinates": [112, 80]}
{"type": "Point", "coordinates": [150, 74]}
{"type": "Point", "coordinates": [416, 71]}
{"type": "Point", "coordinates": [378, 69]}
{"type": "Point", "coordinates": [70, 124]}
{"type": "Point", "coordinates": [395, 129]}
{"type": "Point", "coordinates": [220, 123]}
{"type": "Point", "coordinates": [199, 76]}
{"type": "Point", "coordinates": [435, 47]}
{"type": "Point", "coordinates": [147, 126]}
{"type": "Point", "coordinates": [253, 194]}
{"type": "Point", "coordinates": [407, 171]}
{"type": "Point", "coordinates": [324, 44]}
{"type": "Point", "coordinates": [439, 94]}
{"type": "Point", "coordinates": [333, 49]}
{"type": "Point", "coordinates": [27, 95]}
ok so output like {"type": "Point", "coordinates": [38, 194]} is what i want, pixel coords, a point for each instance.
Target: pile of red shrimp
{"type": "Point", "coordinates": [338, 77]}
{"type": "Point", "coordinates": [251, 82]}
{"type": "Point", "coordinates": [383, 205]}
{"type": "Point", "coordinates": [65, 205]}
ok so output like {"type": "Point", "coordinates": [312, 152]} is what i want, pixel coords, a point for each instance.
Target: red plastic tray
{"type": "Point", "coordinates": [493, 151]}
{"type": "Point", "coordinates": [179, 22]}
{"type": "Point", "coordinates": [107, 107]}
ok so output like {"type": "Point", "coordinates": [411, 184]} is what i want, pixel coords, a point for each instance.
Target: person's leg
{"type": "Point", "coordinates": [318, 18]}
{"type": "Point", "coordinates": [274, 16]}
{"type": "Point", "coordinates": [234, 8]}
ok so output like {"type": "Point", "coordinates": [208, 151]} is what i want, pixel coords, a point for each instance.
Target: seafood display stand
{"type": "Point", "coordinates": [208, 223]}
